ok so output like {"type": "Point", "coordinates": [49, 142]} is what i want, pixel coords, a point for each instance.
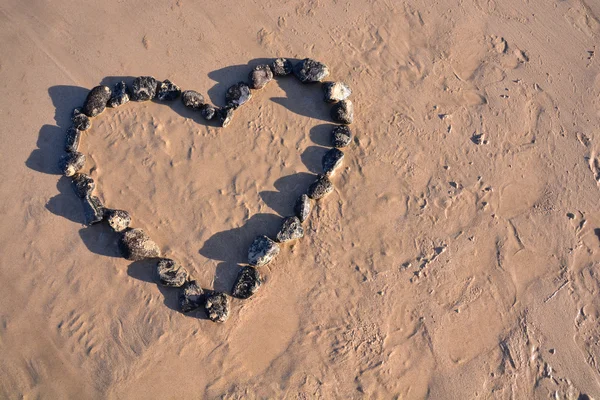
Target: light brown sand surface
{"type": "Point", "coordinates": [439, 268]}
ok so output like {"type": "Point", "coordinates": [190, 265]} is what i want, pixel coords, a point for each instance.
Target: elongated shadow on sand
{"type": "Point", "coordinates": [289, 188]}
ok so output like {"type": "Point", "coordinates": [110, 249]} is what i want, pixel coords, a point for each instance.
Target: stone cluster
{"type": "Point", "coordinates": [135, 244]}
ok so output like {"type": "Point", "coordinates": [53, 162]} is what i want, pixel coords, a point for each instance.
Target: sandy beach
{"type": "Point", "coordinates": [458, 256]}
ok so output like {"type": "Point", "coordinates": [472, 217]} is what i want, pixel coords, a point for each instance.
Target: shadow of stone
{"type": "Point", "coordinates": [289, 188]}
{"type": "Point", "coordinates": [303, 99]}
{"type": "Point", "coordinates": [225, 276]}
{"type": "Point", "coordinates": [101, 239]}
{"type": "Point", "coordinates": [66, 204]}
{"type": "Point", "coordinates": [312, 158]}
{"type": "Point", "coordinates": [228, 76]}
{"type": "Point", "coordinates": [321, 134]}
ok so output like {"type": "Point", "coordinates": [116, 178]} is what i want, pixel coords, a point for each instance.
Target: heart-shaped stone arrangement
{"type": "Point", "coordinates": [135, 244]}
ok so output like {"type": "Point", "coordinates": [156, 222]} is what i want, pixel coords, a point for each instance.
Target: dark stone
{"type": "Point", "coordinates": [208, 112]}
{"type": "Point", "coordinates": [136, 245]}
{"type": "Point", "coordinates": [260, 76]}
{"type": "Point", "coordinates": [96, 100]}
{"type": "Point", "coordinates": [93, 210]}
{"type": "Point", "coordinates": [72, 140]}
{"type": "Point", "coordinates": [320, 188]}
{"type": "Point", "coordinates": [247, 283]}
{"type": "Point", "coordinates": [336, 91]}
{"type": "Point", "coordinates": [309, 71]}
{"type": "Point", "coordinates": [80, 121]}
{"type": "Point", "coordinates": [238, 94]}
{"type": "Point", "coordinates": [217, 307]}
{"type": "Point", "coordinates": [282, 67]}
{"type": "Point", "coordinates": [262, 251]}
{"type": "Point", "coordinates": [341, 136]}
{"type": "Point", "coordinates": [291, 229]}
{"type": "Point", "coordinates": [143, 88]}
{"type": "Point", "coordinates": [167, 91]}
{"type": "Point", "coordinates": [120, 95]}
{"type": "Point", "coordinates": [192, 99]}
{"type": "Point", "coordinates": [343, 112]}
{"type": "Point", "coordinates": [170, 273]}
{"type": "Point", "coordinates": [332, 160]}
{"type": "Point", "coordinates": [224, 115]}
{"type": "Point", "coordinates": [71, 163]}
{"type": "Point", "coordinates": [83, 185]}
{"type": "Point", "coordinates": [302, 208]}
{"type": "Point", "coordinates": [119, 220]}
{"type": "Point", "coordinates": [191, 297]}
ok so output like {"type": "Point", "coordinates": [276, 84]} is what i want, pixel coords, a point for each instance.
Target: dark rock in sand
{"type": "Point", "coordinates": [170, 273]}
{"type": "Point", "coordinates": [96, 100]}
{"type": "Point", "coordinates": [167, 91]}
{"type": "Point", "coordinates": [282, 67]}
{"type": "Point", "coordinates": [192, 99]}
{"type": "Point", "coordinates": [143, 88]}
{"type": "Point", "coordinates": [71, 163]}
{"type": "Point", "coordinates": [93, 210]}
{"type": "Point", "coordinates": [343, 112]}
{"type": "Point", "coordinates": [238, 94]}
{"type": "Point", "coordinates": [341, 136]}
{"type": "Point", "coordinates": [120, 95]}
{"type": "Point", "coordinates": [320, 188]}
{"type": "Point", "coordinates": [72, 140]}
{"type": "Point", "coordinates": [224, 115]}
{"type": "Point", "coordinates": [191, 297]}
{"type": "Point", "coordinates": [291, 229]}
{"type": "Point", "coordinates": [309, 71]}
{"type": "Point", "coordinates": [260, 76]}
{"type": "Point", "coordinates": [332, 161]}
{"type": "Point", "coordinates": [119, 220]}
{"type": "Point", "coordinates": [208, 112]}
{"type": "Point", "coordinates": [302, 208]}
{"type": "Point", "coordinates": [136, 245]}
{"type": "Point", "coordinates": [336, 91]}
{"type": "Point", "coordinates": [217, 307]}
{"type": "Point", "coordinates": [83, 185]}
{"type": "Point", "coordinates": [247, 283]}
{"type": "Point", "coordinates": [262, 251]}
{"type": "Point", "coordinates": [80, 121]}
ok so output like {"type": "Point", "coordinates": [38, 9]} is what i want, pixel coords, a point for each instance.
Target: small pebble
{"type": "Point", "coordinates": [83, 185]}
{"type": "Point", "coordinates": [260, 76]}
{"type": "Point", "coordinates": [302, 208]}
{"type": "Point", "coordinates": [143, 88]}
{"type": "Point", "coordinates": [208, 112]}
{"type": "Point", "coordinates": [282, 67]}
{"type": "Point", "coordinates": [332, 160]}
{"type": "Point", "coordinates": [291, 229]}
{"type": "Point", "coordinates": [136, 245]}
{"type": "Point", "coordinates": [336, 91]}
{"type": "Point", "coordinates": [192, 99]}
{"type": "Point", "coordinates": [238, 94]}
{"type": "Point", "coordinates": [72, 140]}
{"type": "Point", "coordinates": [320, 188]}
{"type": "Point", "coordinates": [119, 220]}
{"type": "Point", "coordinates": [224, 115]}
{"type": "Point", "coordinates": [93, 211]}
{"type": "Point", "coordinates": [191, 297]}
{"type": "Point", "coordinates": [217, 307]}
{"type": "Point", "coordinates": [341, 136]}
{"type": "Point", "coordinates": [80, 121]}
{"type": "Point", "coordinates": [247, 283]}
{"type": "Point", "coordinates": [170, 273]}
{"type": "Point", "coordinates": [167, 91]}
{"type": "Point", "coordinates": [262, 251]}
{"type": "Point", "coordinates": [120, 95]}
{"type": "Point", "coordinates": [96, 100]}
{"type": "Point", "coordinates": [343, 112]}
{"type": "Point", "coordinates": [309, 71]}
{"type": "Point", "coordinates": [71, 163]}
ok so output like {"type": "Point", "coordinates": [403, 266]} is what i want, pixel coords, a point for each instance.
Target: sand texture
{"type": "Point", "coordinates": [457, 258]}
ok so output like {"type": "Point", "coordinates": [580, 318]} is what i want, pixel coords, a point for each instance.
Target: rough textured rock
{"type": "Point", "coordinates": [208, 112]}
{"type": "Point", "coordinates": [83, 185]}
{"type": "Point", "coordinates": [72, 140]}
{"type": "Point", "coordinates": [119, 220]}
{"type": "Point", "coordinates": [217, 307]}
{"type": "Point", "coordinates": [136, 245]}
{"type": "Point", "coordinates": [247, 283]}
{"type": "Point", "coordinates": [341, 136]}
{"type": "Point", "coordinates": [309, 71]}
{"type": "Point", "coordinates": [191, 297]}
{"type": "Point", "coordinates": [80, 121]}
{"type": "Point", "coordinates": [343, 112]}
{"type": "Point", "coordinates": [238, 94]}
{"type": "Point", "coordinates": [282, 67]}
{"type": "Point", "coordinates": [225, 115]}
{"type": "Point", "coordinates": [93, 210]}
{"type": "Point", "coordinates": [291, 229]}
{"type": "Point", "coordinates": [302, 208]}
{"type": "Point", "coordinates": [320, 188]}
{"type": "Point", "coordinates": [71, 163]}
{"type": "Point", "coordinates": [332, 160]}
{"type": "Point", "coordinates": [167, 91]}
{"type": "Point", "coordinates": [336, 91]}
{"type": "Point", "coordinates": [143, 88]}
{"type": "Point", "coordinates": [192, 99]}
{"type": "Point", "coordinates": [260, 76]}
{"type": "Point", "coordinates": [262, 251]}
{"type": "Point", "coordinates": [170, 273]}
{"type": "Point", "coordinates": [96, 100]}
{"type": "Point", "coordinates": [120, 95]}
